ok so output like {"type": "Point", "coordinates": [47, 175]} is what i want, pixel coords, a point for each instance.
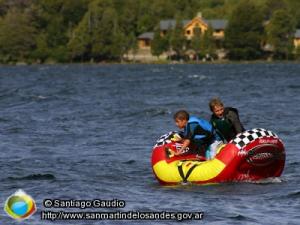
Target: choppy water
{"type": "Point", "coordinates": [86, 132]}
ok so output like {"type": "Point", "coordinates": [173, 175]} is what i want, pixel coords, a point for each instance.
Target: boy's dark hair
{"type": "Point", "coordinates": [181, 115]}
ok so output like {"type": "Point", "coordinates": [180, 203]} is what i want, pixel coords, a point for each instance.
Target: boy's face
{"type": "Point", "coordinates": [180, 123]}
{"type": "Point", "coordinates": [218, 110]}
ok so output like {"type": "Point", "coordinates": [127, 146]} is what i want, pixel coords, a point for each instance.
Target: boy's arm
{"type": "Point", "coordinates": [185, 144]}
{"type": "Point", "coordinates": [233, 117]}
{"type": "Point", "coordinates": [187, 139]}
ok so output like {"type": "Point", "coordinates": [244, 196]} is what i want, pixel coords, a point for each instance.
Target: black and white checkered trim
{"type": "Point", "coordinates": [165, 139]}
{"type": "Point", "coordinates": [248, 136]}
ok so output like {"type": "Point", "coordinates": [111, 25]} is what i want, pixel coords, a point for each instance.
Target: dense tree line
{"type": "Point", "coordinates": [251, 28]}
{"type": "Point", "coordinates": [104, 30]}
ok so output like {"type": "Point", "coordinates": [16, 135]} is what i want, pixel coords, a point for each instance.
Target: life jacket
{"type": "Point", "coordinates": [224, 126]}
{"type": "Point", "coordinates": [204, 124]}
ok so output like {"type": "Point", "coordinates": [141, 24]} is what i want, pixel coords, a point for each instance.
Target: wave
{"type": "Point", "coordinates": [152, 112]}
{"type": "Point", "coordinates": [4, 120]}
{"type": "Point", "coordinates": [293, 86]}
{"type": "Point", "coordinates": [15, 130]}
{"type": "Point", "coordinates": [129, 162]}
{"type": "Point", "coordinates": [38, 176]}
{"type": "Point", "coordinates": [238, 217]}
{"type": "Point", "coordinates": [294, 163]}
{"type": "Point", "coordinates": [294, 194]}
{"type": "Point", "coordinates": [291, 195]}
{"type": "Point", "coordinates": [8, 93]}
{"type": "Point", "coordinates": [196, 76]}
{"type": "Point", "coordinates": [269, 180]}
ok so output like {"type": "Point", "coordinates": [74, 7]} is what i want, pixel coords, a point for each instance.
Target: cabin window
{"type": "Point", "coordinates": [197, 30]}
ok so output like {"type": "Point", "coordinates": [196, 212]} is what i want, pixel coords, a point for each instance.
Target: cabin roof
{"type": "Point", "coordinates": [216, 24]}
{"type": "Point", "coordinates": [146, 35]}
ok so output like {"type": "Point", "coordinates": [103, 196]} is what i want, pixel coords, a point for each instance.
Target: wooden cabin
{"type": "Point", "coordinates": [188, 26]}
{"type": "Point", "coordinates": [144, 40]}
{"type": "Point", "coordinates": [202, 24]}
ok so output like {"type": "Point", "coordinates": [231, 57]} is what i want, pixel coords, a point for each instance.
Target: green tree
{"type": "Point", "coordinates": [17, 36]}
{"type": "Point", "coordinates": [2, 7]}
{"type": "Point", "coordinates": [104, 20]}
{"type": "Point", "coordinates": [73, 11]}
{"type": "Point", "coordinates": [55, 20]}
{"type": "Point", "coordinates": [127, 15]}
{"type": "Point", "coordinates": [272, 5]}
{"type": "Point", "coordinates": [6, 5]}
{"type": "Point", "coordinates": [177, 39]}
{"type": "Point", "coordinates": [187, 8]}
{"type": "Point", "coordinates": [120, 43]}
{"type": "Point", "coordinates": [207, 44]}
{"type": "Point", "coordinates": [280, 32]}
{"type": "Point", "coordinates": [145, 21]}
{"type": "Point", "coordinates": [50, 21]}
{"type": "Point", "coordinates": [293, 7]}
{"type": "Point", "coordinates": [158, 44]}
{"type": "Point", "coordinates": [108, 40]}
{"type": "Point", "coordinates": [98, 36]}
{"type": "Point", "coordinates": [162, 9]}
{"type": "Point", "coordinates": [41, 52]}
{"type": "Point", "coordinates": [244, 33]}
{"type": "Point", "coordinates": [131, 44]}
{"type": "Point", "coordinates": [79, 44]}
{"type": "Point", "coordinates": [196, 42]}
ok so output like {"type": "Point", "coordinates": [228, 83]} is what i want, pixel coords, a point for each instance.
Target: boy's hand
{"type": "Point", "coordinates": [185, 144]}
{"type": "Point", "coordinates": [181, 151]}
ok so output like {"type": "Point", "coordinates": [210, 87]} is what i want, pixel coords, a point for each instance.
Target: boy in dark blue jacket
{"type": "Point", "coordinates": [197, 132]}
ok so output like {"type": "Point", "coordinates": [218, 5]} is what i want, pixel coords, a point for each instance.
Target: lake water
{"type": "Point", "coordinates": [86, 132]}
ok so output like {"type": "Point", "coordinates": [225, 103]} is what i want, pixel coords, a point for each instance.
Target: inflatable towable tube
{"type": "Point", "coordinates": [253, 155]}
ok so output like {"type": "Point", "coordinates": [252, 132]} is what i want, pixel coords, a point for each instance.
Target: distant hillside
{"type": "Point", "coordinates": [67, 30]}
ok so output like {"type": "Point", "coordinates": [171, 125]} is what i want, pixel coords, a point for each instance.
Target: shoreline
{"type": "Point", "coordinates": [160, 62]}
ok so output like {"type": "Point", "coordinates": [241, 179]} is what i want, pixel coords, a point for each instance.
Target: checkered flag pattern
{"type": "Point", "coordinates": [165, 139]}
{"type": "Point", "coordinates": [248, 136]}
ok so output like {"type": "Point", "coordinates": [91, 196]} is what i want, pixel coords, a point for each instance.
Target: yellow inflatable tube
{"type": "Point", "coordinates": [192, 170]}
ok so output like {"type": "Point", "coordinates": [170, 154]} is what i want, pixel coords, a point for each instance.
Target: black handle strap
{"type": "Point", "coordinates": [181, 173]}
